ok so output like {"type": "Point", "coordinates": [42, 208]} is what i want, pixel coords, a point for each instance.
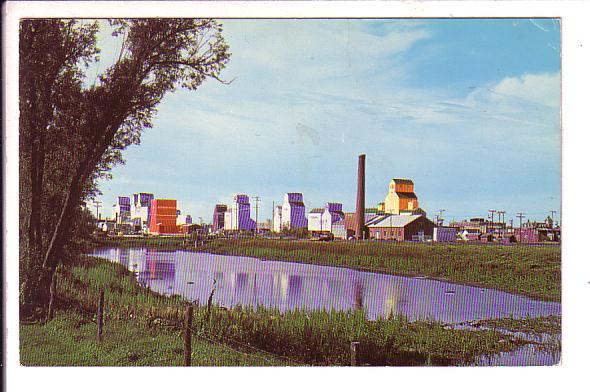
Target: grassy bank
{"type": "Point", "coordinates": [69, 340]}
{"type": "Point", "coordinates": [143, 328]}
{"type": "Point", "coordinates": [534, 271]}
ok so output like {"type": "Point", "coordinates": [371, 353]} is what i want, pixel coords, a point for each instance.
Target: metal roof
{"type": "Point", "coordinates": [409, 195]}
{"type": "Point", "coordinates": [392, 220]}
{"type": "Point", "coordinates": [402, 181]}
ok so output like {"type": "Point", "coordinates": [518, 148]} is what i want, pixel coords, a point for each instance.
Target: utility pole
{"type": "Point", "coordinates": [272, 217]}
{"type": "Point", "coordinates": [552, 212]}
{"type": "Point", "coordinates": [492, 212]}
{"type": "Point", "coordinates": [520, 215]}
{"type": "Point", "coordinates": [501, 223]}
{"type": "Point", "coordinates": [439, 218]}
{"type": "Point", "coordinates": [97, 204]}
{"type": "Point", "coordinates": [256, 200]}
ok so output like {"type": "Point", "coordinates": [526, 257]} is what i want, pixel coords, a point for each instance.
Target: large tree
{"type": "Point", "coordinates": [72, 134]}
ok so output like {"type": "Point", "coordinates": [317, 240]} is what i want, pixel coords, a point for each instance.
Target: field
{"type": "Point", "coordinates": [144, 328]}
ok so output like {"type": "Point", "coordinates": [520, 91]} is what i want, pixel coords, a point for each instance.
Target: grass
{"type": "Point", "coordinates": [143, 328]}
{"type": "Point", "coordinates": [537, 325]}
{"type": "Point", "coordinates": [534, 271]}
{"type": "Point", "coordinates": [69, 340]}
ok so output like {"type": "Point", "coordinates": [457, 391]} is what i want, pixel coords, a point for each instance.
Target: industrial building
{"type": "Point", "coordinates": [400, 198]}
{"type": "Point", "coordinates": [122, 210]}
{"type": "Point", "coordinates": [291, 215]}
{"type": "Point", "coordinates": [140, 210]}
{"type": "Point", "coordinates": [532, 232]}
{"type": "Point", "coordinates": [350, 221]}
{"type": "Point", "coordinates": [237, 216]}
{"type": "Point", "coordinates": [163, 214]}
{"type": "Point", "coordinates": [444, 234]}
{"type": "Point", "coordinates": [327, 220]}
{"type": "Point", "coordinates": [401, 227]}
{"type": "Point", "coordinates": [219, 217]}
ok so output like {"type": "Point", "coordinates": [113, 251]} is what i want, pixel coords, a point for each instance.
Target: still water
{"type": "Point", "coordinates": [282, 285]}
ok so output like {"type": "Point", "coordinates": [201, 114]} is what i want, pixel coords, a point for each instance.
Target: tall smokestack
{"type": "Point", "coordinates": [360, 200]}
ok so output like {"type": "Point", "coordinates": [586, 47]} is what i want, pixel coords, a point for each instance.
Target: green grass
{"type": "Point", "coordinates": [537, 325]}
{"type": "Point", "coordinates": [69, 340]}
{"type": "Point", "coordinates": [170, 242]}
{"type": "Point", "coordinates": [143, 328]}
{"type": "Point", "coordinates": [534, 271]}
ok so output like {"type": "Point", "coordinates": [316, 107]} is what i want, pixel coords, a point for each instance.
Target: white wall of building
{"type": "Point", "coordinates": [314, 221]}
{"type": "Point", "coordinates": [277, 219]}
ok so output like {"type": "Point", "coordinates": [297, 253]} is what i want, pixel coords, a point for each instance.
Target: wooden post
{"type": "Point", "coordinates": [99, 314]}
{"type": "Point", "coordinates": [353, 350]}
{"type": "Point", "coordinates": [188, 317]}
{"type": "Point", "coordinates": [50, 309]}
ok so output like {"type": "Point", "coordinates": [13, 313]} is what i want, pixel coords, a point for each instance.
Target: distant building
{"type": "Point", "coordinates": [444, 234]}
{"type": "Point", "coordinates": [291, 215]}
{"type": "Point", "coordinates": [532, 232]}
{"type": "Point", "coordinates": [183, 219]}
{"type": "Point", "coordinates": [327, 220]}
{"type": "Point", "coordinates": [218, 217]}
{"type": "Point", "coordinates": [401, 197]}
{"type": "Point", "coordinates": [237, 216]}
{"type": "Point", "coordinates": [350, 220]}
{"type": "Point", "coordinates": [277, 219]}
{"type": "Point", "coordinates": [163, 214]}
{"type": "Point", "coordinates": [480, 229]}
{"type": "Point", "coordinates": [140, 210]}
{"type": "Point", "coordinates": [401, 227]}
{"type": "Point", "coordinates": [122, 210]}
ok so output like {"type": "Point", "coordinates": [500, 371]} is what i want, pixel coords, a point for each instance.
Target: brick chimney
{"type": "Point", "coordinates": [360, 200]}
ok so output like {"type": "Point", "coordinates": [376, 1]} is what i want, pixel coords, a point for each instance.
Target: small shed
{"type": "Point", "coordinates": [444, 234]}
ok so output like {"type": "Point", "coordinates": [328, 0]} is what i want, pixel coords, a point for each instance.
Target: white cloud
{"type": "Point", "coordinates": [541, 89]}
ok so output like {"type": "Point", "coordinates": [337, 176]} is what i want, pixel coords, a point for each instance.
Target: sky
{"type": "Point", "coordinates": [469, 109]}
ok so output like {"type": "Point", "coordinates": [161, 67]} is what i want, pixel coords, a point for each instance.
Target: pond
{"type": "Point", "coordinates": [275, 284]}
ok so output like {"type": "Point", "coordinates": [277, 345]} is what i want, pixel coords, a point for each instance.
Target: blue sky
{"type": "Point", "coordinates": [469, 109]}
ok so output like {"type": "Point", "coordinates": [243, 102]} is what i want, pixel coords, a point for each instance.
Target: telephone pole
{"type": "Point", "coordinates": [492, 212]}
{"type": "Point", "coordinates": [501, 223]}
{"type": "Point", "coordinates": [256, 200]}
{"type": "Point", "coordinates": [520, 215]}
{"type": "Point", "coordinates": [552, 212]}
{"type": "Point", "coordinates": [440, 217]}
{"type": "Point", "coordinates": [272, 217]}
{"type": "Point", "coordinates": [97, 204]}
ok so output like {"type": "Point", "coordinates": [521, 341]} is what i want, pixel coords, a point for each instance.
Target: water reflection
{"type": "Point", "coordinates": [249, 281]}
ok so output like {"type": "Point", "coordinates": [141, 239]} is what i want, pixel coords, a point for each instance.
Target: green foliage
{"type": "Point", "coordinates": [69, 340]}
{"type": "Point", "coordinates": [73, 134]}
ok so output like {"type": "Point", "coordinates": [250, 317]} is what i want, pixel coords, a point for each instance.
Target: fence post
{"type": "Point", "coordinates": [50, 309]}
{"type": "Point", "coordinates": [188, 317]}
{"type": "Point", "coordinates": [353, 350]}
{"type": "Point", "coordinates": [99, 314]}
